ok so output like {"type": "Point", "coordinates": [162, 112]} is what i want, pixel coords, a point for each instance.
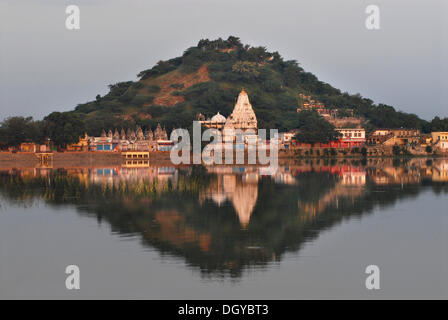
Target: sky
{"type": "Point", "coordinates": [45, 67]}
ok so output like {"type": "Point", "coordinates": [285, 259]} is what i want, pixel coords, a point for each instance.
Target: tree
{"type": "Point", "coordinates": [247, 69]}
{"type": "Point", "coordinates": [313, 128]}
{"type": "Point", "coordinates": [15, 130]}
{"type": "Point", "coordinates": [438, 124]}
{"type": "Point", "coordinates": [63, 128]}
{"type": "Point", "coordinates": [292, 73]}
{"type": "Point", "coordinates": [234, 41]}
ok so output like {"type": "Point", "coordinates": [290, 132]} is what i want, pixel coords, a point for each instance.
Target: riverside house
{"type": "Point", "coordinates": [392, 137]}
{"type": "Point", "coordinates": [440, 140]}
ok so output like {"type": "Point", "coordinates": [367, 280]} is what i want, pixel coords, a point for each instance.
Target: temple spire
{"type": "Point", "coordinates": [243, 115]}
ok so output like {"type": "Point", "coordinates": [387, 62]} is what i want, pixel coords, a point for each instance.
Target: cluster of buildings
{"type": "Point", "coordinates": [353, 135]}
{"type": "Point", "coordinates": [357, 137]}
{"type": "Point", "coordinates": [409, 137]}
{"type": "Point", "coordinates": [244, 120]}
{"type": "Point", "coordinates": [130, 140]}
{"type": "Point", "coordinates": [331, 115]}
{"type": "Point", "coordinates": [308, 103]}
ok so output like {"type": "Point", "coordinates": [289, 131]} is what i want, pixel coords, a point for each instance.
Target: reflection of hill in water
{"type": "Point", "coordinates": [223, 220]}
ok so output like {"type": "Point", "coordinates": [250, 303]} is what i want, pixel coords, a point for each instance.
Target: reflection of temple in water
{"type": "Point", "coordinates": [239, 186]}
{"type": "Point", "coordinates": [239, 189]}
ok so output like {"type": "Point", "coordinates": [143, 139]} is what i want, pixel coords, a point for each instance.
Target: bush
{"type": "Point", "coordinates": [177, 85]}
{"type": "Point", "coordinates": [153, 89]}
{"type": "Point", "coordinates": [138, 85]}
{"type": "Point", "coordinates": [127, 96]}
{"type": "Point", "coordinates": [149, 99]}
{"type": "Point", "coordinates": [139, 100]}
{"type": "Point", "coordinates": [272, 85]}
{"type": "Point", "coordinates": [177, 93]}
{"type": "Point", "coordinates": [248, 70]}
{"type": "Point", "coordinates": [429, 149]}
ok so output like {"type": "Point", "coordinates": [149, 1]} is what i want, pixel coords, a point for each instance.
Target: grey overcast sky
{"type": "Point", "coordinates": [45, 67]}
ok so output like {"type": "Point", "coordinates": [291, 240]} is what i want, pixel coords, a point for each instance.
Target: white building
{"type": "Point", "coordinates": [440, 140]}
{"type": "Point", "coordinates": [353, 136]}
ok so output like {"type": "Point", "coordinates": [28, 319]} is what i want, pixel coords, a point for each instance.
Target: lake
{"type": "Point", "coordinates": [306, 231]}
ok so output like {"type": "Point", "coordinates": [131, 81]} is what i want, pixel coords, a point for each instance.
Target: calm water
{"type": "Point", "coordinates": [307, 231]}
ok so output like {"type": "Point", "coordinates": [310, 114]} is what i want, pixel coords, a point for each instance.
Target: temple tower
{"type": "Point", "coordinates": [158, 133]}
{"type": "Point", "coordinates": [140, 135]}
{"type": "Point", "coordinates": [243, 115]}
{"type": "Point", "coordinates": [116, 135]}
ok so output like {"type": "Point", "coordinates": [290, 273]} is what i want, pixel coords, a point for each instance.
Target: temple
{"type": "Point", "coordinates": [137, 140]}
{"type": "Point", "coordinates": [242, 118]}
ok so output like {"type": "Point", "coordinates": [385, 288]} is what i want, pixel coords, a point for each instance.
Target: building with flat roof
{"type": "Point", "coordinates": [391, 137]}
{"type": "Point", "coordinates": [354, 137]}
{"type": "Point", "coordinates": [440, 139]}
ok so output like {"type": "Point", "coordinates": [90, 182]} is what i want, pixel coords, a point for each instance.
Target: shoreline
{"type": "Point", "coordinates": [112, 159]}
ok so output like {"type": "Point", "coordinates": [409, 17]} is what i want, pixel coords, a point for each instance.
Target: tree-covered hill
{"type": "Point", "coordinates": [208, 77]}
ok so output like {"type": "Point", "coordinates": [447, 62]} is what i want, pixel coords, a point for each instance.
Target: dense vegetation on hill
{"type": "Point", "coordinates": [206, 79]}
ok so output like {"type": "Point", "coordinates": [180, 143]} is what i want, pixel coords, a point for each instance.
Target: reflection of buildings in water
{"type": "Point", "coordinates": [350, 186]}
{"type": "Point", "coordinates": [411, 172]}
{"type": "Point", "coordinates": [250, 177]}
{"type": "Point", "coordinates": [281, 174]}
{"type": "Point", "coordinates": [312, 209]}
{"type": "Point", "coordinates": [394, 175]}
{"type": "Point", "coordinates": [440, 172]}
{"type": "Point", "coordinates": [285, 178]}
{"type": "Point", "coordinates": [353, 178]}
{"type": "Point", "coordinates": [240, 189]}
{"type": "Point", "coordinates": [135, 177]}
{"type": "Point", "coordinates": [125, 173]}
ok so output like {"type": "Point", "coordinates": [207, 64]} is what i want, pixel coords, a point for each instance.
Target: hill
{"type": "Point", "coordinates": [207, 78]}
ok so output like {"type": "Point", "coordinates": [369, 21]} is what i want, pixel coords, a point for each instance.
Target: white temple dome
{"type": "Point", "coordinates": [218, 118]}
